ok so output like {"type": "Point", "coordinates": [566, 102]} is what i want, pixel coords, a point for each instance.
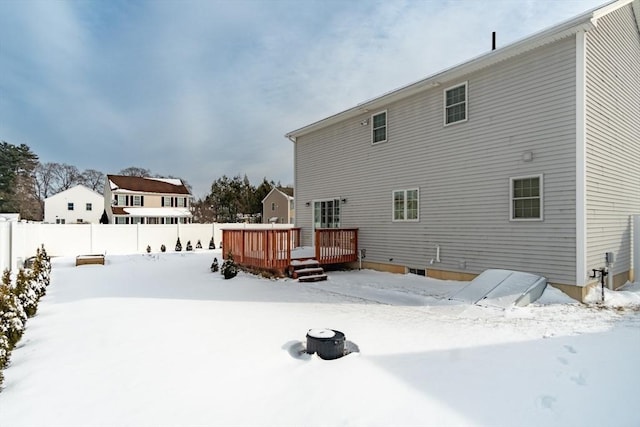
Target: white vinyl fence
{"type": "Point", "coordinates": [19, 240]}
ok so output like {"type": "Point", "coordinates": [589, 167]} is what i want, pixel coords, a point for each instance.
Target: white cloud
{"type": "Point", "coordinates": [200, 88]}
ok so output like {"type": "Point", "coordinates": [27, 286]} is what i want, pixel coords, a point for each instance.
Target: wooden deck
{"type": "Point", "coordinates": [274, 249]}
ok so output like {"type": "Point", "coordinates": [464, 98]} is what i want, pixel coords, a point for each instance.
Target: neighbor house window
{"type": "Point", "coordinates": [273, 206]}
{"type": "Point", "coordinates": [455, 104]}
{"type": "Point", "coordinates": [121, 220]}
{"type": "Point", "coordinates": [69, 206]}
{"type": "Point", "coordinates": [60, 220]}
{"type": "Point", "coordinates": [166, 201]}
{"type": "Point", "coordinates": [526, 198]}
{"type": "Point", "coordinates": [121, 200]}
{"type": "Point", "coordinates": [405, 205]}
{"type": "Point", "coordinates": [326, 214]}
{"type": "Point", "coordinates": [181, 202]}
{"type": "Point", "coordinates": [137, 200]}
{"type": "Point", "coordinates": [89, 206]}
{"type": "Point", "coordinates": [379, 127]}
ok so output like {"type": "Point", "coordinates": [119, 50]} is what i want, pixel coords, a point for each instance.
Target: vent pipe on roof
{"type": "Point", "coordinates": [493, 40]}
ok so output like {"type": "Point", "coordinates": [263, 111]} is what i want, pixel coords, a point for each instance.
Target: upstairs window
{"type": "Point", "coordinates": [70, 206]}
{"type": "Point", "coordinates": [273, 206]}
{"type": "Point", "coordinates": [405, 205]}
{"type": "Point", "coordinates": [89, 206]}
{"type": "Point", "coordinates": [379, 127]}
{"type": "Point", "coordinates": [121, 200]}
{"type": "Point", "coordinates": [181, 202]}
{"type": "Point", "coordinates": [137, 200]}
{"type": "Point", "coordinates": [455, 104]}
{"type": "Point", "coordinates": [526, 198]}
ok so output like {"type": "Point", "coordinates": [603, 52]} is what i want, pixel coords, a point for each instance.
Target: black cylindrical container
{"type": "Point", "coordinates": [327, 343]}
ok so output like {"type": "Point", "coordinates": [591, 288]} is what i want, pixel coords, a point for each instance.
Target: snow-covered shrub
{"type": "Point", "coordinates": [189, 247]}
{"type": "Point", "coordinates": [25, 290]}
{"type": "Point", "coordinates": [214, 265]}
{"type": "Point", "coordinates": [163, 248]}
{"type": "Point", "coordinates": [148, 249]}
{"type": "Point", "coordinates": [198, 245]}
{"type": "Point", "coordinates": [229, 267]}
{"type": "Point", "coordinates": [178, 245]}
{"type": "Point", "coordinates": [211, 244]}
{"type": "Point", "coordinates": [40, 273]}
{"type": "Point", "coordinates": [12, 314]}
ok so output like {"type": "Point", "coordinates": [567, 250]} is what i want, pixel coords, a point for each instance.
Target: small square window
{"type": "Point", "coordinates": [70, 206]}
{"type": "Point", "coordinates": [89, 206]}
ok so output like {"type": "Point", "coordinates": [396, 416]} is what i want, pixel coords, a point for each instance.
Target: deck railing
{"type": "Point", "coordinates": [336, 245]}
{"type": "Point", "coordinates": [266, 249]}
{"type": "Point", "coordinates": [270, 249]}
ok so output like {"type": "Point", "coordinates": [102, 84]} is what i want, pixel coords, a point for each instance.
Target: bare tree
{"type": "Point", "coordinates": [135, 171]}
{"type": "Point", "coordinates": [44, 180]}
{"type": "Point", "coordinates": [65, 176]}
{"type": "Point", "coordinates": [93, 179]}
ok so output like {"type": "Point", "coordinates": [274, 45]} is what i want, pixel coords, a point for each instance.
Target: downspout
{"type": "Point", "coordinates": [581, 159]}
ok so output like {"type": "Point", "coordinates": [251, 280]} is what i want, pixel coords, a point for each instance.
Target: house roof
{"type": "Point", "coordinates": [285, 191]}
{"type": "Point", "coordinates": [146, 185]}
{"type": "Point", "coordinates": [583, 22]}
{"type": "Point", "coordinates": [78, 187]}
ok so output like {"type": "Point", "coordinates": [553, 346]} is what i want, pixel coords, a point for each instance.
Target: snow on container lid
{"type": "Point", "coordinates": [321, 333]}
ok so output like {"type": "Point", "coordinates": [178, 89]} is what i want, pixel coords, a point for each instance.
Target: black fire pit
{"type": "Point", "coordinates": [327, 343]}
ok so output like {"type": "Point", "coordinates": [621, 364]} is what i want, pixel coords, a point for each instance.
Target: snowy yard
{"type": "Point", "coordinates": [159, 340]}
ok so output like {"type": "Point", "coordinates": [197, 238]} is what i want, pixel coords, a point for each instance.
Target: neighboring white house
{"type": "Point", "coordinates": [77, 205]}
{"type": "Point", "coordinates": [278, 206]}
{"type": "Point", "coordinates": [525, 158]}
{"type": "Point", "coordinates": [138, 200]}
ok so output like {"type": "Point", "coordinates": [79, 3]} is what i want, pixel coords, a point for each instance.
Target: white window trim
{"type": "Point", "coordinates": [386, 127]}
{"type": "Point", "coordinates": [393, 213]}
{"type": "Point", "coordinates": [137, 200]}
{"type": "Point", "coordinates": [466, 103]}
{"type": "Point", "coordinates": [514, 178]}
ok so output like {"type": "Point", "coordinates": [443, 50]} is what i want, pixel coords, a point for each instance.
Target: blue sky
{"type": "Point", "coordinates": [201, 88]}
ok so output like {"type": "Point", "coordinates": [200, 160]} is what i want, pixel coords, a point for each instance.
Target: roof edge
{"type": "Point", "coordinates": [583, 22]}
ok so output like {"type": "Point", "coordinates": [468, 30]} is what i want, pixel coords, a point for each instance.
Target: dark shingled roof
{"type": "Point", "coordinates": [146, 185]}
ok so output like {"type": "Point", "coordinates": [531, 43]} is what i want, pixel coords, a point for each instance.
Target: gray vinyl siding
{"type": "Point", "coordinates": [462, 171]}
{"type": "Point", "coordinates": [613, 137]}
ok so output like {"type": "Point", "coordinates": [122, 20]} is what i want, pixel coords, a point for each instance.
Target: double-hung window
{"type": "Point", "coordinates": [405, 205]}
{"type": "Point", "coordinates": [121, 200]}
{"type": "Point", "coordinates": [526, 198]}
{"type": "Point", "coordinates": [137, 200]}
{"type": "Point", "coordinates": [455, 104]}
{"type": "Point", "coordinates": [379, 127]}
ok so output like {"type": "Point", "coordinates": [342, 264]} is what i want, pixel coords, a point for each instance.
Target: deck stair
{"type": "Point", "coordinates": [308, 270]}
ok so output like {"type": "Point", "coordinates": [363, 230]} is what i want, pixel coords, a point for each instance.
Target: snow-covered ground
{"type": "Point", "coordinates": [159, 340]}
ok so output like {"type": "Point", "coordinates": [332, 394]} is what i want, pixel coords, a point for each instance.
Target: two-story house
{"type": "Point", "coordinates": [278, 206]}
{"type": "Point", "coordinates": [525, 158]}
{"type": "Point", "coordinates": [137, 200]}
{"type": "Point", "coordinates": [76, 205]}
